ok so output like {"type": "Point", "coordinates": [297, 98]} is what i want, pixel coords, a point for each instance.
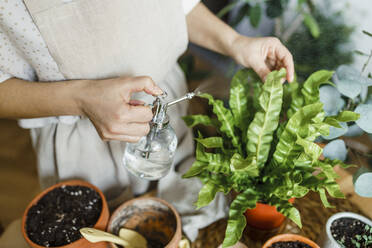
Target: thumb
{"type": "Point", "coordinates": [145, 84]}
{"type": "Point", "coordinates": [261, 69]}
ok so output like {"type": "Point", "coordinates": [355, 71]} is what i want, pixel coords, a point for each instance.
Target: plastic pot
{"type": "Point", "coordinates": [154, 218]}
{"type": "Point", "coordinates": [80, 243]}
{"type": "Point", "coordinates": [326, 239]}
{"type": "Point", "coordinates": [289, 237]}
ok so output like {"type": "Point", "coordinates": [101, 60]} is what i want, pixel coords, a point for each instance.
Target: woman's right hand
{"type": "Point", "coordinates": [107, 103]}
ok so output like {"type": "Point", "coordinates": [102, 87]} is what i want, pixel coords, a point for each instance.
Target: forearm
{"type": "Point", "coordinates": [207, 30]}
{"type": "Point", "coordinates": [21, 99]}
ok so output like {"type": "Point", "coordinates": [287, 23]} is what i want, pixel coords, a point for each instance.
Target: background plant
{"type": "Point", "coordinates": [352, 92]}
{"type": "Point", "coordinates": [268, 154]}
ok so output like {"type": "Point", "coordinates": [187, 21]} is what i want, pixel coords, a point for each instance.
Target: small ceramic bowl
{"type": "Point", "coordinates": [155, 219]}
{"type": "Point", "coordinates": [80, 243]}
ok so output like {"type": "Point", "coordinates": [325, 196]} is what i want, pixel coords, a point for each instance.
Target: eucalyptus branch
{"type": "Point", "coordinates": [295, 24]}
{"type": "Point", "coordinates": [278, 27]}
{"type": "Point", "coordinates": [367, 62]}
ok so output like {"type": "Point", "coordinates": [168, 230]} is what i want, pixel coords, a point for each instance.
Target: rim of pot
{"type": "Point", "coordinates": [289, 237]}
{"type": "Point", "coordinates": [47, 190]}
{"type": "Point", "coordinates": [178, 231]}
{"type": "Point", "coordinates": [340, 216]}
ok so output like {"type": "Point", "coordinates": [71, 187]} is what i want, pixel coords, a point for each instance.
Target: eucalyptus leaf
{"type": "Point", "coordinates": [354, 131]}
{"type": "Point", "coordinates": [348, 81]}
{"type": "Point", "coordinates": [365, 120]}
{"type": "Point", "coordinates": [331, 99]}
{"type": "Point", "coordinates": [362, 180]}
{"type": "Point", "coordinates": [335, 132]}
{"type": "Point", "coordinates": [335, 149]}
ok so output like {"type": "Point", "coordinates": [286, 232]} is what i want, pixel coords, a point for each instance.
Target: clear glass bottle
{"type": "Point", "coordinates": [152, 157]}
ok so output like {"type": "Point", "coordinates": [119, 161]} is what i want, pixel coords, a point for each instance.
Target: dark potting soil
{"type": "Point", "coordinates": [57, 217]}
{"type": "Point", "coordinates": [344, 230]}
{"type": "Point", "coordinates": [290, 244]}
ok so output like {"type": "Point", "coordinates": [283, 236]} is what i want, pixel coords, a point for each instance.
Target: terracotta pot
{"type": "Point", "coordinates": [152, 217]}
{"type": "Point", "coordinates": [326, 239]}
{"type": "Point", "coordinates": [289, 237]}
{"type": "Point", "coordinates": [80, 243]}
{"type": "Point", "coordinates": [265, 217]}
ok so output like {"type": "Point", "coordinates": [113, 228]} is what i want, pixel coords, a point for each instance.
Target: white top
{"type": "Point", "coordinates": [24, 54]}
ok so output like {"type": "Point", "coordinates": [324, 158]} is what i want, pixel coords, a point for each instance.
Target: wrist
{"type": "Point", "coordinates": [77, 93]}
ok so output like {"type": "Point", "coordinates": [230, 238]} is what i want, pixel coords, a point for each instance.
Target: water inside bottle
{"type": "Point", "coordinates": [156, 166]}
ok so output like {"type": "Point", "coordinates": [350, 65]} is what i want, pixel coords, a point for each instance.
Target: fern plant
{"type": "Point", "coordinates": [265, 150]}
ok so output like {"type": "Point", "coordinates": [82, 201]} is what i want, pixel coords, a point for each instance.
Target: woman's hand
{"type": "Point", "coordinates": [107, 104]}
{"type": "Point", "coordinates": [262, 55]}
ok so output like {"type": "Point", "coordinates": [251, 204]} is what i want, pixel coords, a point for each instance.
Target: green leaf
{"type": "Point", "coordinates": [324, 199]}
{"type": "Point", "coordinates": [242, 12]}
{"type": "Point", "coordinates": [193, 120]}
{"type": "Point", "coordinates": [346, 116]}
{"type": "Point", "coordinates": [312, 25]}
{"type": "Point", "coordinates": [265, 122]}
{"type": "Point", "coordinates": [310, 90]}
{"type": "Point", "coordinates": [211, 142]}
{"type": "Point", "coordinates": [334, 190]}
{"type": "Point", "coordinates": [255, 15]}
{"type": "Point", "coordinates": [237, 221]}
{"type": "Point", "coordinates": [311, 149]}
{"type": "Point", "coordinates": [287, 149]}
{"type": "Point", "coordinates": [196, 168]}
{"type": "Point", "coordinates": [289, 211]}
{"type": "Point", "coordinates": [248, 165]}
{"type": "Point", "coordinates": [218, 163]}
{"type": "Point", "coordinates": [297, 99]}
{"type": "Point", "coordinates": [225, 117]}
{"type": "Point", "coordinates": [206, 194]}
{"type": "Point", "coordinates": [332, 121]}
{"type": "Point", "coordinates": [227, 9]}
{"type": "Point", "coordinates": [239, 95]}
{"type": "Point", "coordinates": [274, 8]}
{"type": "Point", "coordinates": [328, 170]}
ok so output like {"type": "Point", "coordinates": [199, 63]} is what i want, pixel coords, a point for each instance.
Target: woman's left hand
{"type": "Point", "coordinates": [262, 55]}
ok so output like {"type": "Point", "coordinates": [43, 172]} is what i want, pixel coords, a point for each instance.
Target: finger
{"type": "Point", "coordinates": [138, 114]}
{"type": "Point", "coordinates": [145, 84]}
{"type": "Point", "coordinates": [125, 138]}
{"type": "Point", "coordinates": [261, 69]}
{"type": "Point", "coordinates": [135, 102]}
{"type": "Point", "coordinates": [131, 129]}
{"type": "Point", "coordinates": [286, 59]}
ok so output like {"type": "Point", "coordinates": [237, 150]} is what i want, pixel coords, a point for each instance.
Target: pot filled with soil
{"type": "Point", "coordinates": [289, 241]}
{"type": "Point", "coordinates": [54, 217]}
{"type": "Point", "coordinates": [347, 229]}
{"type": "Point", "coordinates": [155, 219]}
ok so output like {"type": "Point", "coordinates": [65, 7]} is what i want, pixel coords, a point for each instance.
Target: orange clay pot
{"type": "Point", "coordinates": [265, 217]}
{"type": "Point", "coordinates": [80, 243]}
{"type": "Point", "coordinates": [152, 217]}
{"type": "Point", "coordinates": [289, 237]}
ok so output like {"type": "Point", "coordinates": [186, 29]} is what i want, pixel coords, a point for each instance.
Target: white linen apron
{"type": "Point", "coordinates": [97, 39]}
